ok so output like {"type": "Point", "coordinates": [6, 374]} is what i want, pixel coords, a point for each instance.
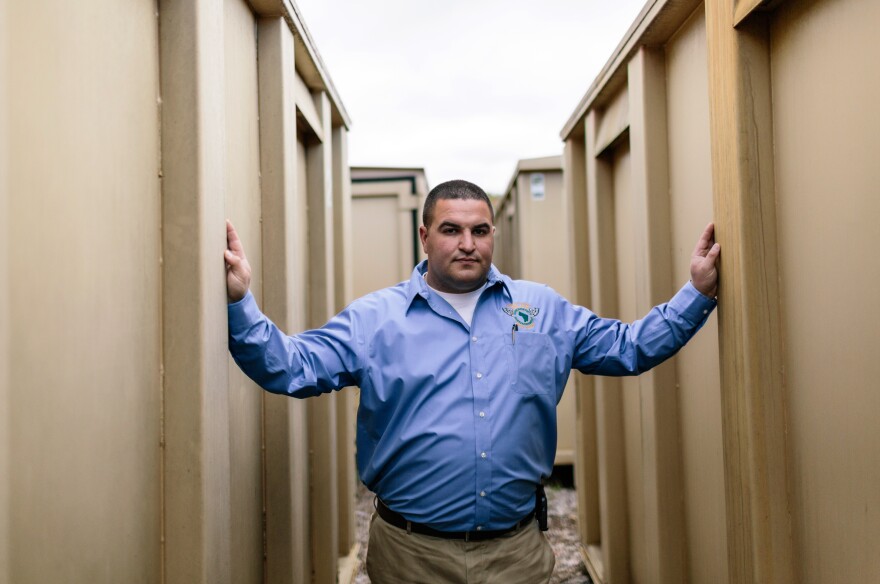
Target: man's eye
{"type": "Point", "coordinates": [481, 231]}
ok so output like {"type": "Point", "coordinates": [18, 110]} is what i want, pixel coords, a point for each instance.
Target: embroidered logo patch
{"type": "Point", "coordinates": [522, 313]}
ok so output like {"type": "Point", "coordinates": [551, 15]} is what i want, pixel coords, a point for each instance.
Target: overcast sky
{"type": "Point", "coordinates": [463, 88]}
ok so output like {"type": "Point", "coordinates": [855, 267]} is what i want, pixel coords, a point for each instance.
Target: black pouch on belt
{"type": "Point", "coordinates": [541, 507]}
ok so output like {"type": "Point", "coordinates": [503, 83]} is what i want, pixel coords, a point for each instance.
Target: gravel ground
{"type": "Point", "coordinates": [563, 535]}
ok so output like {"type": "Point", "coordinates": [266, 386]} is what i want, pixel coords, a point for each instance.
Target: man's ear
{"type": "Point", "coordinates": [423, 235]}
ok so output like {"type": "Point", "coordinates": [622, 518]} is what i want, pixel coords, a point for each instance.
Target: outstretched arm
{"type": "Point", "coordinates": [303, 365]}
{"type": "Point", "coordinates": [238, 269]}
{"type": "Point", "coordinates": [610, 347]}
{"type": "Point", "coordinates": [704, 273]}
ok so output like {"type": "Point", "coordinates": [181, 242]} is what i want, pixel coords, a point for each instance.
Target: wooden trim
{"type": "Point", "coordinates": [407, 207]}
{"type": "Point", "coordinates": [5, 438]}
{"type": "Point", "coordinates": [575, 186]}
{"type": "Point", "coordinates": [564, 457]}
{"type": "Point", "coordinates": [322, 303]}
{"type": "Point", "coordinates": [661, 456]}
{"type": "Point", "coordinates": [650, 176]}
{"type": "Point", "coordinates": [323, 488]}
{"type": "Point", "coordinates": [586, 470]}
{"type": "Point", "coordinates": [281, 200]}
{"type": "Point", "coordinates": [342, 217]}
{"type": "Point", "coordinates": [603, 270]}
{"type": "Point", "coordinates": [611, 74]}
{"type": "Point", "coordinates": [285, 440]}
{"type": "Point", "coordinates": [307, 108]}
{"type": "Point", "coordinates": [267, 8]}
{"type": "Point", "coordinates": [656, 23]}
{"type": "Point", "coordinates": [743, 8]}
{"type": "Point", "coordinates": [401, 188]}
{"type": "Point", "coordinates": [614, 520]}
{"type": "Point", "coordinates": [196, 514]}
{"type": "Point", "coordinates": [519, 192]}
{"type": "Point", "coordinates": [613, 122]}
{"type": "Point", "coordinates": [609, 399]}
{"type": "Point", "coordinates": [346, 473]}
{"type": "Point", "coordinates": [753, 406]}
{"type": "Point", "coordinates": [586, 465]}
{"type": "Point", "coordinates": [543, 164]}
{"type": "Point", "coordinates": [345, 409]}
{"type": "Point", "coordinates": [321, 410]}
{"type": "Point", "coordinates": [288, 560]}
{"type": "Point", "coordinates": [592, 557]}
{"type": "Point", "coordinates": [310, 64]}
{"type": "Point", "coordinates": [746, 8]}
{"type": "Point", "coordinates": [349, 564]}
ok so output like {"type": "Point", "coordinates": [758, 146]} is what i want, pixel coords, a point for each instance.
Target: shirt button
{"type": "Point", "coordinates": [705, 312]}
{"type": "Point", "coordinates": [479, 375]}
{"type": "Point", "coordinates": [482, 414]}
{"type": "Point", "coordinates": [482, 493]}
{"type": "Point", "coordinates": [474, 339]}
{"type": "Point", "coordinates": [479, 528]}
{"type": "Point", "coordinates": [482, 455]}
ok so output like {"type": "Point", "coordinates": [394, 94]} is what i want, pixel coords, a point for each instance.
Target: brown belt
{"type": "Point", "coordinates": [397, 520]}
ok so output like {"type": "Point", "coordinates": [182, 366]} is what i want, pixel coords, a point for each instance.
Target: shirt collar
{"type": "Point", "coordinates": [419, 287]}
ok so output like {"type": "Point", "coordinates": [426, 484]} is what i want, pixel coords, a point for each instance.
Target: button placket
{"type": "Point", "coordinates": [481, 384]}
{"type": "Point", "coordinates": [483, 376]}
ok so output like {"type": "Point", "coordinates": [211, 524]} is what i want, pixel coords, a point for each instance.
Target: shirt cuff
{"type": "Point", "coordinates": [692, 304]}
{"type": "Point", "coordinates": [243, 313]}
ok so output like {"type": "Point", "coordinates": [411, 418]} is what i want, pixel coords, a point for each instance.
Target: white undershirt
{"type": "Point", "coordinates": [464, 304]}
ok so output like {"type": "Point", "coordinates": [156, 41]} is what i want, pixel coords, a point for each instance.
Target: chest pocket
{"type": "Point", "coordinates": [532, 357]}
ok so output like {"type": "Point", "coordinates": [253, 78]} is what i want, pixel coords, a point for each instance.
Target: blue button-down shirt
{"type": "Point", "coordinates": [457, 423]}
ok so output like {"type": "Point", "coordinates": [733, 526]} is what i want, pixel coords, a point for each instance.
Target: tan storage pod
{"type": "Point", "coordinates": [751, 456]}
{"type": "Point", "coordinates": [387, 211]}
{"type": "Point", "coordinates": [132, 448]}
{"type": "Point", "coordinates": [532, 243]}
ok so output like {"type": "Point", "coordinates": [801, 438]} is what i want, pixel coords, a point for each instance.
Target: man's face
{"type": "Point", "coordinates": [459, 245]}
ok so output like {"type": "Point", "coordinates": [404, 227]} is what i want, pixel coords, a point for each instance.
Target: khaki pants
{"type": "Point", "coordinates": [395, 557]}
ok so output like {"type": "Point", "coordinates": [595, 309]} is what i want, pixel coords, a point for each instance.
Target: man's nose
{"type": "Point", "coordinates": [466, 243]}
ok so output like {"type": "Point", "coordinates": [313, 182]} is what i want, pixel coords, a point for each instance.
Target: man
{"type": "Point", "coordinates": [460, 371]}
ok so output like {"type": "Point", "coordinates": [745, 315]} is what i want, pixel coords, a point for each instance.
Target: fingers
{"type": "Point", "coordinates": [704, 273]}
{"type": "Point", "coordinates": [232, 260]}
{"type": "Point", "coordinates": [705, 263]}
{"type": "Point", "coordinates": [714, 251]}
{"type": "Point", "coordinates": [232, 240]}
{"type": "Point", "coordinates": [238, 271]}
{"type": "Point", "coordinates": [706, 241]}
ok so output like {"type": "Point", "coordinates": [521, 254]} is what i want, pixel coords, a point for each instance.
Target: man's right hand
{"type": "Point", "coordinates": [238, 270]}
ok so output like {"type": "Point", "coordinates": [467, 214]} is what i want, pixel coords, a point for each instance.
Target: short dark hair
{"type": "Point", "coordinates": [454, 189]}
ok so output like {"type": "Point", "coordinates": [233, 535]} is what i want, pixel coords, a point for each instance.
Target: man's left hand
{"type": "Point", "coordinates": [704, 274]}
{"type": "Point", "coordinates": [238, 269]}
